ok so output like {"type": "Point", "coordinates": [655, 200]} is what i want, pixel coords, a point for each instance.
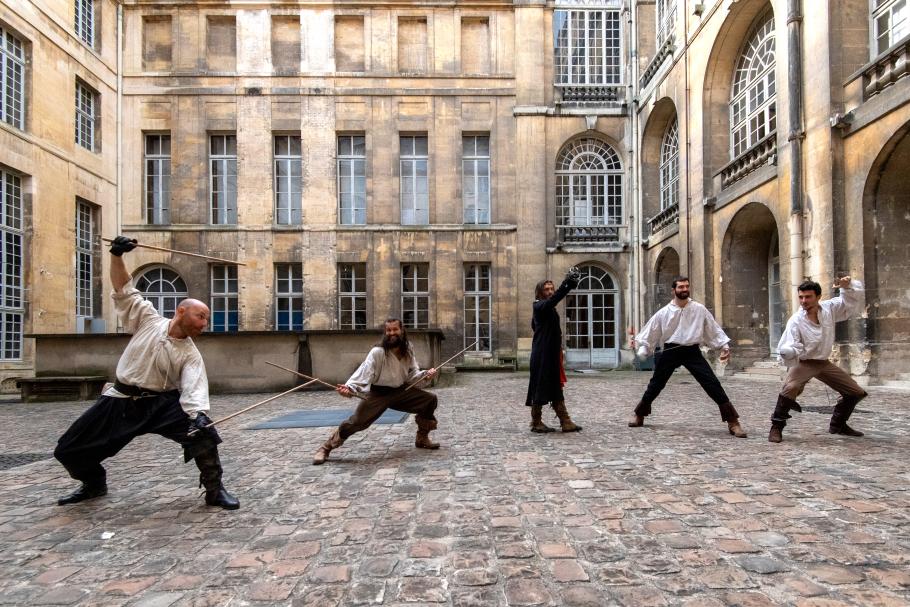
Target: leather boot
{"type": "Point", "coordinates": [220, 497]}
{"type": "Point", "coordinates": [86, 492]}
{"type": "Point", "coordinates": [728, 414]}
{"type": "Point", "coordinates": [842, 412]}
{"type": "Point", "coordinates": [780, 416]}
{"type": "Point", "coordinates": [636, 421]}
{"type": "Point", "coordinates": [565, 422]}
{"type": "Point", "coordinates": [210, 471]}
{"type": "Point", "coordinates": [776, 434]}
{"type": "Point", "coordinates": [424, 427]}
{"type": "Point", "coordinates": [537, 424]}
{"type": "Point", "coordinates": [735, 429]}
{"type": "Point", "coordinates": [322, 453]}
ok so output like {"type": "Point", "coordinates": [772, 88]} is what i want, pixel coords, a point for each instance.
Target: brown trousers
{"type": "Point", "coordinates": [417, 401]}
{"type": "Point", "coordinates": [826, 372]}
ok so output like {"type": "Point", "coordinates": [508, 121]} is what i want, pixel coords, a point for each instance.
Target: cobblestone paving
{"type": "Point", "coordinates": [676, 513]}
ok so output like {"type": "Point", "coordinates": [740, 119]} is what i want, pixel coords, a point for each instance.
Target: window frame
{"type": "Point", "coordinates": [13, 61]}
{"type": "Point", "coordinates": [886, 7]}
{"type": "Point", "coordinates": [352, 301]}
{"type": "Point", "coordinates": [668, 169]}
{"type": "Point", "coordinates": [415, 300]}
{"type": "Point", "coordinates": [84, 259]}
{"type": "Point", "coordinates": [12, 244]}
{"type": "Point", "coordinates": [346, 166]}
{"type": "Point", "coordinates": [480, 209]}
{"type": "Point", "coordinates": [570, 176]}
{"type": "Point", "coordinates": [481, 299]}
{"type": "Point", "coordinates": [224, 297]}
{"type": "Point", "coordinates": [165, 302]}
{"type": "Point", "coordinates": [665, 21]}
{"type": "Point", "coordinates": [594, 70]}
{"type": "Point", "coordinates": [84, 22]}
{"type": "Point", "coordinates": [294, 296]}
{"type": "Point", "coordinates": [292, 214]}
{"type": "Point", "coordinates": [158, 199]}
{"type": "Point", "coordinates": [88, 101]}
{"type": "Point", "coordinates": [226, 215]}
{"type": "Point", "coordinates": [758, 116]}
{"type": "Point", "coordinates": [410, 161]}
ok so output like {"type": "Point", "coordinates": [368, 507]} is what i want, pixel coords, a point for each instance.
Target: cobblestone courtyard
{"type": "Point", "coordinates": [676, 513]}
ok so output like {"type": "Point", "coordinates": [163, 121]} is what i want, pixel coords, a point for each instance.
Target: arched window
{"type": "Point", "coordinates": [669, 167]}
{"type": "Point", "coordinates": [666, 20]}
{"type": "Point", "coordinates": [753, 105]}
{"type": "Point", "coordinates": [592, 320]}
{"type": "Point", "coordinates": [588, 186]}
{"type": "Point", "coordinates": [164, 288]}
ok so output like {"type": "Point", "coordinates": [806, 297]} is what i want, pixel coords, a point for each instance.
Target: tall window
{"type": "Point", "coordinates": [12, 80]}
{"type": "Point", "coordinates": [352, 296]}
{"type": "Point", "coordinates": [666, 20]}
{"type": "Point", "coordinates": [477, 306]}
{"type": "Point", "coordinates": [85, 21]}
{"type": "Point", "coordinates": [415, 295]}
{"type": "Point", "coordinates": [475, 178]}
{"type": "Point", "coordinates": [164, 288]}
{"type": "Point", "coordinates": [890, 19]}
{"type": "Point", "coordinates": [157, 178]}
{"type": "Point", "coordinates": [12, 308]}
{"type": "Point", "coordinates": [85, 269]}
{"type": "Point", "coordinates": [223, 171]}
{"type": "Point", "coordinates": [588, 185]}
{"type": "Point", "coordinates": [753, 106]}
{"type": "Point", "coordinates": [288, 171]}
{"type": "Point", "coordinates": [225, 316]}
{"type": "Point", "coordinates": [587, 44]}
{"type": "Point", "coordinates": [288, 297]}
{"type": "Point", "coordinates": [352, 181]}
{"type": "Point", "coordinates": [86, 115]}
{"type": "Point", "coordinates": [669, 167]}
{"type": "Point", "coordinates": [415, 192]}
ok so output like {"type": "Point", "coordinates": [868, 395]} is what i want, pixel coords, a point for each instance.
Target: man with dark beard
{"type": "Point", "coordinates": [383, 378]}
{"type": "Point", "coordinates": [546, 379]}
{"type": "Point", "coordinates": [677, 330]}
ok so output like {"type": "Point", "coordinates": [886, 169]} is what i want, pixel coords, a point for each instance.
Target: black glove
{"type": "Point", "coordinates": [199, 424]}
{"type": "Point", "coordinates": [122, 244]}
{"type": "Point", "coordinates": [202, 440]}
{"type": "Point", "coordinates": [573, 277]}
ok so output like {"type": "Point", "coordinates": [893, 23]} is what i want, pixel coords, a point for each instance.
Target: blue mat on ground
{"type": "Point", "coordinates": [317, 418]}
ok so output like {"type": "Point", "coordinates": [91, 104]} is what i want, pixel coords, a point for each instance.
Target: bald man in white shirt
{"type": "Point", "coordinates": [677, 330]}
{"type": "Point", "coordinates": [805, 347]}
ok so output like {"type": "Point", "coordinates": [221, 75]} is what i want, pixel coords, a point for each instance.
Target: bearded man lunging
{"type": "Point", "coordinates": [384, 378]}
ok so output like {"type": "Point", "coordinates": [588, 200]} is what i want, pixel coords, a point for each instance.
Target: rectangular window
{"type": "Point", "coordinates": [225, 315]}
{"type": "Point", "coordinates": [286, 43]}
{"type": "Point", "coordinates": [85, 269]}
{"type": "Point", "coordinates": [157, 43]}
{"type": "Point", "coordinates": [221, 43]}
{"type": "Point", "coordinates": [85, 21]}
{"type": "Point", "coordinates": [415, 192]}
{"type": "Point", "coordinates": [412, 45]}
{"type": "Point", "coordinates": [157, 178]}
{"type": "Point", "coordinates": [288, 171]}
{"type": "Point", "coordinates": [12, 80]}
{"type": "Point", "coordinates": [12, 308]}
{"type": "Point", "coordinates": [352, 181]}
{"type": "Point", "coordinates": [415, 295]}
{"type": "Point", "coordinates": [475, 178]}
{"type": "Point", "coordinates": [223, 174]}
{"type": "Point", "coordinates": [477, 306]}
{"type": "Point", "coordinates": [475, 46]}
{"type": "Point", "coordinates": [666, 20]}
{"type": "Point", "coordinates": [87, 101]}
{"type": "Point", "coordinates": [587, 47]}
{"type": "Point", "coordinates": [352, 296]}
{"type": "Point", "coordinates": [288, 297]}
{"type": "Point", "coordinates": [349, 51]}
{"type": "Point", "coordinates": [890, 19]}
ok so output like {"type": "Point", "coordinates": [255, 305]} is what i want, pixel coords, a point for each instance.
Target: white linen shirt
{"type": "Point", "coordinates": [806, 340]}
{"type": "Point", "coordinates": [154, 360]}
{"type": "Point", "coordinates": [690, 325]}
{"type": "Point", "coordinates": [383, 368]}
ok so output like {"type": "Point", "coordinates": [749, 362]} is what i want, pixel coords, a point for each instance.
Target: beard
{"type": "Point", "coordinates": [391, 342]}
{"type": "Point", "coordinates": [682, 294]}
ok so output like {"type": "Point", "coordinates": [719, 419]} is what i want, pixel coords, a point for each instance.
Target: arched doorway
{"type": "Point", "coordinates": [592, 321]}
{"type": "Point", "coordinates": [886, 223]}
{"type": "Point", "coordinates": [665, 270]}
{"type": "Point", "coordinates": [164, 288]}
{"type": "Point", "coordinates": [750, 273]}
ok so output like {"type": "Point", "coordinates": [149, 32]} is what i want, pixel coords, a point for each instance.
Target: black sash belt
{"type": "Point", "coordinates": [135, 391]}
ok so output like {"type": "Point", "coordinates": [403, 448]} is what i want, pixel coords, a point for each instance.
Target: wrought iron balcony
{"type": "Point", "coordinates": [587, 233]}
{"type": "Point", "coordinates": [664, 219]}
{"type": "Point", "coordinates": [591, 94]}
{"type": "Point", "coordinates": [762, 153]}
{"type": "Point", "coordinates": [887, 69]}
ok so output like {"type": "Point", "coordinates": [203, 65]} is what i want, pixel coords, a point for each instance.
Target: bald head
{"type": "Point", "coordinates": [190, 303]}
{"type": "Point", "coordinates": [190, 319]}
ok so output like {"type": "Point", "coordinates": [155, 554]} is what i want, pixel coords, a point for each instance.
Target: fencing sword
{"type": "Point", "coordinates": [424, 376]}
{"type": "Point", "coordinates": [262, 402]}
{"type": "Point", "coordinates": [315, 379]}
{"type": "Point", "coordinates": [154, 248]}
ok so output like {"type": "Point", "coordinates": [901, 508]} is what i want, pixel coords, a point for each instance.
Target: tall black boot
{"type": "Point", "coordinates": [209, 465]}
{"type": "Point", "coordinates": [88, 490]}
{"type": "Point", "coordinates": [842, 412]}
{"type": "Point", "coordinates": [780, 416]}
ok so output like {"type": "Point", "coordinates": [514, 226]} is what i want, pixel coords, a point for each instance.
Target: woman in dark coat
{"type": "Point", "coordinates": [546, 381]}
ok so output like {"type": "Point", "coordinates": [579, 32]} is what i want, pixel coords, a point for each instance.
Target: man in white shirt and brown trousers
{"type": "Point", "coordinates": [383, 380]}
{"type": "Point", "coordinates": [161, 388]}
{"type": "Point", "coordinates": [805, 346]}
{"type": "Point", "coordinates": [678, 329]}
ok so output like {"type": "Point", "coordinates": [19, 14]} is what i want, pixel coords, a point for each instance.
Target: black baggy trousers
{"type": "Point", "coordinates": [111, 423]}
{"type": "Point", "coordinates": [671, 358]}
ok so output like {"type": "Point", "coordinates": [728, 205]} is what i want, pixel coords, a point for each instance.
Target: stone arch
{"type": "Point", "coordinates": [886, 223]}
{"type": "Point", "coordinates": [745, 279]}
{"type": "Point", "coordinates": [663, 114]}
{"type": "Point", "coordinates": [665, 270]}
{"type": "Point", "coordinates": [719, 81]}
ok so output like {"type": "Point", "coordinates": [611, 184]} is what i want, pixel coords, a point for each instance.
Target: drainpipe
{"type": "Point", "coordinates": [119, 197]}
{"type": "Point", "coordinates": [635, 228]}
{"type": "Point", "coordinates": [795, 139]}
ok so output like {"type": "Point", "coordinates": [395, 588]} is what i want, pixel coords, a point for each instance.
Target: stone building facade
{"type": "Point", "coordinates": [434, 160]}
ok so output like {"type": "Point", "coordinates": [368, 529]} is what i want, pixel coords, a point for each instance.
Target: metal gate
{"type": "Point", "coordinates": [592, 321]}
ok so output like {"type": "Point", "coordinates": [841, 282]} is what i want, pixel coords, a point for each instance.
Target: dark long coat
{"type": "Point", "coordinates": [546, 349]}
